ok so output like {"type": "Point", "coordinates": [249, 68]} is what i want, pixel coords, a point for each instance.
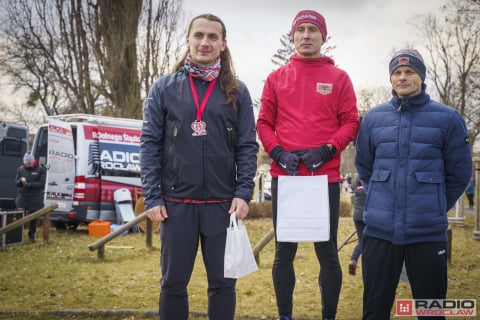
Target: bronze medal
{"type": "Point", "coordinates": [199, 128]}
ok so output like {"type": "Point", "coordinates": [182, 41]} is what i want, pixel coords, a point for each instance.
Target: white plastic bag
{"type": "Point", "coordinates": [239, 260]}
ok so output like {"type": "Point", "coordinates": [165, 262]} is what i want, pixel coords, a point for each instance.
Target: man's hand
{"type": "Point", "coordinates": [158, 213]}
{"type": "Point", "coordinates": [288, 161]}
{"type": "Point", "coordinates": [239, 208]}
{"type": "Point", "coordinates": [314, 158]}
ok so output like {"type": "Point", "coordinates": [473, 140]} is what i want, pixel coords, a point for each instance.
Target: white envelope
{"type": "Point", "coordinates": [303, 211]}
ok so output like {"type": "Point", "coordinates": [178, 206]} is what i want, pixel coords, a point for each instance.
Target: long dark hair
{"type": "Point", "coordinates": [228, 79]}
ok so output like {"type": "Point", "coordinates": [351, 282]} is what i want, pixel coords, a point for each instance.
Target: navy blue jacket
{"type": "Point", "coordinates": [358, 200]}
{"type": "Point", "coordinates": [218, 166]}
{"type": "Point", "coordinates": [30, 195]}
{"type": "Point", "coordinates": [414, 159]}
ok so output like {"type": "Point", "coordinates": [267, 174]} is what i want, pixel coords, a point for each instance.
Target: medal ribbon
{"type": "Point", "coordinates": [202, 106]}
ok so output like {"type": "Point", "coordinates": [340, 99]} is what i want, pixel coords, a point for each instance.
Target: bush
{"type": "Point", "coordinates": [260, 210]}
{"type": "Point", "coordinates": [346, 208]}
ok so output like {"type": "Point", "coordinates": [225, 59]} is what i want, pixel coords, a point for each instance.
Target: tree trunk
{"type": "Point", "coordinates": [119, 27]}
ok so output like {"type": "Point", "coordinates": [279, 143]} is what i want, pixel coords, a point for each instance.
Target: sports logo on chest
{"type": "Point", "coordinates": [324, 88]}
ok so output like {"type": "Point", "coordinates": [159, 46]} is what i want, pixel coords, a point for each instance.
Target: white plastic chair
{"type": "Point", "coordinates": [124, 207]}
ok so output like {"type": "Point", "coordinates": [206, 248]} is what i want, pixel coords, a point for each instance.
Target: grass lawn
{"type": "Point", "coordinates": [62, 279]}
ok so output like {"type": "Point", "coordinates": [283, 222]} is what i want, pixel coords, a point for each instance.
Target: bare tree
{"type": "Point", "coordinates": [452, 40]}
{"type": "Point", "coordinates": [370, 97]}
{"type": "Point", "coordinates": [366, 99]}
{"type": "Point", "coordinates": [117, 27]}
{"type": "Point", "coordinates": [81, 55]}
{"type": "Point", "coordinates": [159, 39]}
{"type": "Point", "coordinates": [282, 56]}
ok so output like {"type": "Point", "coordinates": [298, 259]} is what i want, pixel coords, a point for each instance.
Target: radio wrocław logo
{"type": "Point", "coordinates": [436, 307]}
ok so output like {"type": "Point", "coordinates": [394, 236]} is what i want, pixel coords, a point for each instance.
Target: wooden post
{"type": "Point", "coordinates": [26, 219]}
{"type": "Point", "coordinates": [101, 252]}
{"type": "Point", "coordinates": [261, 244]}
{"type": "Point", "coordinates": [46, 227]}
{"type": "Point", "coordinates": [149, 232]}
{"type": "Point", "coordinates": [476, 230]}
{"type": "Point", "coordinates": [449, 245]}
{"type": "Point", "coordinates": [99, 244]}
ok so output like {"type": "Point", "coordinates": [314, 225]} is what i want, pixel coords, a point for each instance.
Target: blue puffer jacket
{"type": "Point", "coordinates": [413, 156]}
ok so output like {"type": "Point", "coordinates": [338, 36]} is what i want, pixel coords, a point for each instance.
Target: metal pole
{"type": "Point", "coordinates": [476, 230]}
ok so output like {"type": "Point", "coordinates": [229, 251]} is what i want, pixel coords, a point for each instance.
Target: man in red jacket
{"type": "Point", "coordinates": [308, 116]}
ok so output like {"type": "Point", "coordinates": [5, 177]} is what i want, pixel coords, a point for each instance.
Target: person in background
{"type": "Point", "coordinates": [345, 185]}
{"type": "Point", "coordinates": [30, 180]}
{"type": "Point", "coordinates": [469, 191]}
{"type": "Point", "coordinates": [358, 206]}
{"type": "Point", "coordinates": [413, 157]}
{"type": "Point", "coordinates": [198, 162]}
{"type": "Point", "coordinates": [308, 116]}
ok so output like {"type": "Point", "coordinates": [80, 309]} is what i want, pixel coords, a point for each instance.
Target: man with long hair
{"type": "Point", "coordinates": [198, 163]}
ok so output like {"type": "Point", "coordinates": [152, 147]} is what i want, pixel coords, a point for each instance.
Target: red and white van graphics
{"type": "Point", "coordinates": [87, 162]}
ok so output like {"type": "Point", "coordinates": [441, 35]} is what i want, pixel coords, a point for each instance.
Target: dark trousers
{"type": "Point", "coordinates": [470, 201]}
{"type": "Point", "coordinates": [426, 265]}
{"type": "Point", "coordinates": [330, 275]}
{"type": "Point", "coordinates": [32, 228]}
{"type": "Point", "coordinates": [357, 251]}
{"type": "Point", "coordinates": [30, 204]}
{"type": "Point", "coordinates": [187, 226]}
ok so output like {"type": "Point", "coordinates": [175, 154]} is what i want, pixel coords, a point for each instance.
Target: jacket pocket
{"type": "Point", "coordinates": [430, 177]}
{"type": "Point", "coordinates": [170, 161]}
{"type": "Point", "coordinates": [431, 186]}
{"type": "Point", "coordinates": [376, 183]}
{"type": "Point", "coordinates": [380, 175]}
{"type": "Point", "coordinates": [379, 203]}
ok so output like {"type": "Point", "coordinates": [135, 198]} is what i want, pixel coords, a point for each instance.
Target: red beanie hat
{"type": "Point", "coordinates": [313, 17]}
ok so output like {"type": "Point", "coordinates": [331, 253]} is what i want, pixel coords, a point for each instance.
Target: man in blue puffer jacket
{"type": "Point", "coordinates": [413, 156]}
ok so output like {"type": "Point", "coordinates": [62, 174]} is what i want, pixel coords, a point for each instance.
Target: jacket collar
{"type": "Point", "coordinates": [416, 101]}
{"type": "Point", "coordinates": [319, 61]}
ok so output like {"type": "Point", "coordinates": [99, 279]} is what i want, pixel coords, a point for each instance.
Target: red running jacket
{"type": "Point", "coordinates": [305, 104]}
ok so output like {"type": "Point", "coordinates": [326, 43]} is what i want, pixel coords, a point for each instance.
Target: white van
{"type": "Point", "coordinates": [88, 158]}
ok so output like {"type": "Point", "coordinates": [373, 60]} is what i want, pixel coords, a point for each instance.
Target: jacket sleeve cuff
{"type": "Point", "coordinates": [153, 203]}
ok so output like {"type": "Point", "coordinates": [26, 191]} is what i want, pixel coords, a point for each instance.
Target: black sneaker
{"type": "Point", "coordinates": [284, 318]}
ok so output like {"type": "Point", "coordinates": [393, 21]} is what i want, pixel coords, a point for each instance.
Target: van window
{"type": "Point", "coordinates": [13, 147]}
{"type": "Point", "coordinates": [41, 146]}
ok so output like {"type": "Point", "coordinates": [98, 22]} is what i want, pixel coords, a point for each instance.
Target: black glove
{"type": "Point", "coordinates": [314, 158]}
{"type": "Point", "coordinates": [288, 161]}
